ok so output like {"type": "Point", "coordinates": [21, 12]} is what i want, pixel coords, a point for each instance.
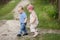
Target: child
{"type": "Point", "coordinates": [23, 19]}
{"type": "Point", "coordinates": [33, 20]}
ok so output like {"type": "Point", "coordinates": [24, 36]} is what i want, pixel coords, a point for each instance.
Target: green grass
{"type": "Point", "coordinates": [7, 8]}
{"type": "Point", "coordinates": [46, 37]}
{"type": "Point", "coordinates": [47, 14]}
{"type": "Point", "coordinates": [51, 37]}
{"type": "Point", "coordinates": [45, 11]}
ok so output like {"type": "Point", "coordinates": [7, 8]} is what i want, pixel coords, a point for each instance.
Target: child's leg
{"type": "Point", "coordinates": [35, 32]}
{"type": "Point", "coordinates": [20, 31]}
{"type": "Point", "coordinates": [24, 29]}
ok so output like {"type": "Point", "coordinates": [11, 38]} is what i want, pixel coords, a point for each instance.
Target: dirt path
{"type": "Point", "coordinates": [44, 31]}
{"type": "Point", "coordinates": [9, 28]}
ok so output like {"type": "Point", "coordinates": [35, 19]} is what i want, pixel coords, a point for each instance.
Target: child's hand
{"type": "Point", "coordinates": [31, 22]}
{"type": "Point", "coordinates": [25, 20]}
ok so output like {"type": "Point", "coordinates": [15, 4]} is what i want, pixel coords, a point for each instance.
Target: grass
{"type": "Point", "coordinates": [51, 37]}
{"type": "Point", "coordinates": [45, 11]}
{"type": "Point", "coordinates": [46, 37]}
{"type": "Point", "coordinates": [5, 10]}
{"type": "Point", "coordinates": [47, 14]}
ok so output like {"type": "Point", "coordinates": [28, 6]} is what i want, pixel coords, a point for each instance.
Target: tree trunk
{"type": "Point", "coordinates": [4, 1]}
{"type": "Point", "coordinates": [58, 9]}
{"type": "Point", "coordinates": [52, 1]}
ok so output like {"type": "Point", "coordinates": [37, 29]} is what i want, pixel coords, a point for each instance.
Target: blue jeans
{"type": "Point", "coordinates": [22, 28]}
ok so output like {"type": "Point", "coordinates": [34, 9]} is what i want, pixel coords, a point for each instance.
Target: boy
{"type": "Point", "coordinates": [23, 19]}
{"type": "Point", "coordinates": [33, 20]}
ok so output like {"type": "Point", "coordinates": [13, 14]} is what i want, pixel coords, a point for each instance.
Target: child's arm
{"type": "Point", "coordinates": [25, 20]}
{"type": "Point", "coordinates": [33, 20]}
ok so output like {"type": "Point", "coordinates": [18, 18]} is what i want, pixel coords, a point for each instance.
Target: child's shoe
{"type": "Point", "coordinates": [25, 34]}
{"type": "Point", "coordinates": [19, 35]}
{"type": "Point", "coordinates": [35, 34]}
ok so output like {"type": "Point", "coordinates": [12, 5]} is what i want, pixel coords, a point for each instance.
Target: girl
{"type": "Point", "coordinates": [33, 20]}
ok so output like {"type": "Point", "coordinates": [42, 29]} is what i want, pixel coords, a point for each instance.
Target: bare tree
{"type": "Point", "coordinates": [52, 1]}
{"type": "Point", "coordinates": [58, 9]}
{"type": "Point", "coordinates": [4, 1]}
